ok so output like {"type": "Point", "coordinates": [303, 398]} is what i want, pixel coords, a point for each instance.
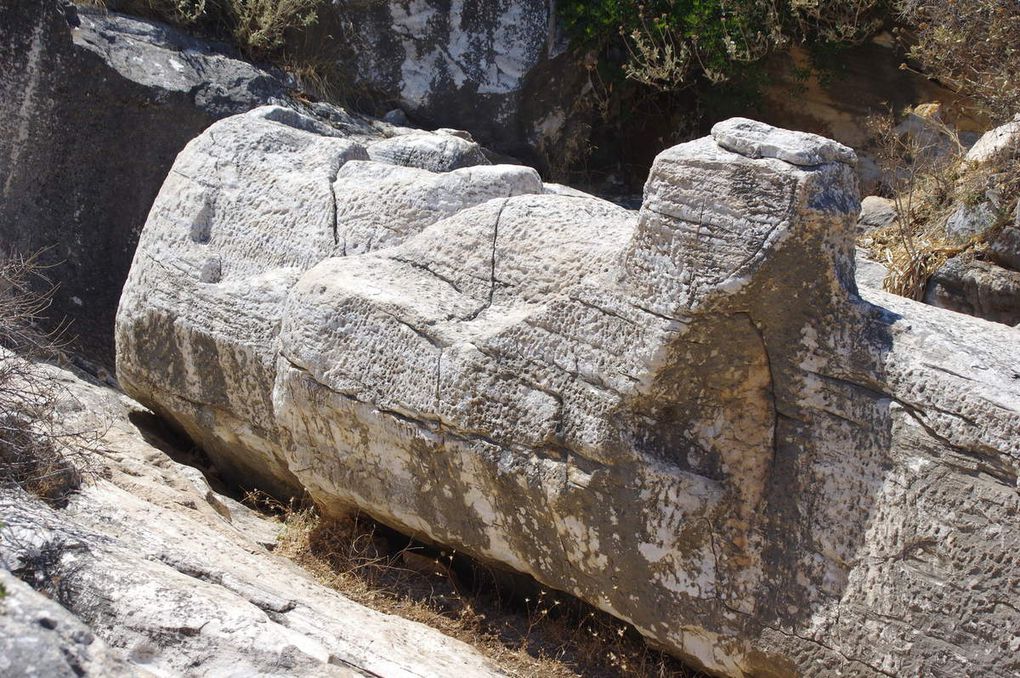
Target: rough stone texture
{"type": "Point", "coordinates": [440, 152]}
{"type": "Point", "coordinates": [971, 221]}
{"type": "Point", "coordinates": [177, 578]}
{"type": "Point", "coordinates": [979, 288]}
{"type": "Point", "coordinates": [499, 68]}
{"type": "Point", "coordinates": [987, 283]}
{"type": "Point", "coordinates": [755, 139]}
{"type": "Point", "coordinates": [869, 273]}
{"type": "Point", "coordinates": [257, 201]}
{"type": "Point", "coordinates": [40, 638]}
{"type": "Point", "coordinates": [95, 107]}
{"type": "Point", "coordinates": [687, 417]}
{"type": "Point", "coordinates": [876, 213]}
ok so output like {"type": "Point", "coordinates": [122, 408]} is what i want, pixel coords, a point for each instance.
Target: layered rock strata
{"type": "Point", "coordinates": [687, 416]}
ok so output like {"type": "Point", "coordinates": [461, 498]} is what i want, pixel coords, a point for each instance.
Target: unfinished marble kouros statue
{"type": "Point", "coordinates": [686, 416]}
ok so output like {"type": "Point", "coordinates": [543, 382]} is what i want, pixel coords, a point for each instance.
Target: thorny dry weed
{"type": "Point", "coordinates": [37, 450]}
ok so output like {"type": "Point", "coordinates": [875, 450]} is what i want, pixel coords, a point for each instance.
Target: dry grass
{"type": "Point", "coordinates": [525, 629]}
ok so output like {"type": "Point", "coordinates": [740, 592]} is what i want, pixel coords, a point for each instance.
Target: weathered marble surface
{"type": "Point", "coordinates": [160, 575]}
{"type": "Point", "coordinates": [38, 637]}
{"type": "Point", "coordinates": [686, 416]}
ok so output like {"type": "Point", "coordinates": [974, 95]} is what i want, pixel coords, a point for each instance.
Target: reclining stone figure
{"type": "Point", "coordinates": [687, 416]}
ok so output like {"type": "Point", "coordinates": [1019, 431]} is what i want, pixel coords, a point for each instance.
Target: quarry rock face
{"type": "Point", "coordinates": [500, 69]}
{"type": "Point", "coordinates": [687, 416]}
{"type": "Point", "coordinates": [95, 107]}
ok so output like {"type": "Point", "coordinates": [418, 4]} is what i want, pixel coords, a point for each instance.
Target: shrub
{"type": "Point", "coordinates": [928, 179]}
{"type": "Point", "coordinates": [972, 46]}
{"type": "Point", "coordinates": [671, 43]}
{"type": "Point", "coordinates": [258, 26]}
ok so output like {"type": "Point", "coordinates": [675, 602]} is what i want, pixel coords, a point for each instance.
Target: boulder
{"type": "Point", "coordinates": [876, 213]}
{"type": "Point", "coordinates": [995, 144]}
{"type": "Point", "coordinates": [439, 152]}
{"type": "Point", "coordinates": [159, 574]}
{"type": "Point", "coordinates": [980, 288]}
{"type": "Point", "coordinates": [971, 221]}
{"type": "Point", "coordinates": [95, 108]}
{"type": "Point", "coordinates": [687, 416]}
{"type": "Point", "coordinates": [870, 273]}
{"type": "Point", "coordinates": [1004, 247]}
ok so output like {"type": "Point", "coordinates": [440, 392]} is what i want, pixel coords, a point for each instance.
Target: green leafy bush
{"type": "Point", "coordinates": [671, 43]}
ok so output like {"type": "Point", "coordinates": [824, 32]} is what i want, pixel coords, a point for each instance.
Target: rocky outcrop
{"type": "Point", "coordinates": [876, 213]}
{"type": "Point", "coordinates": [159, 574]}
{"type": "Point", "coordinates": [995, 144]}
{"type": "Point", "coordinates": [38, 637]}
{"type": "Point", "coordinates": [95, 108]}
{"type": "Point", "coordinates": [686, 416]}
{"type": "Point", "coordinates": [984, 281]}
{"type": "Point", "coordinates": [980, 288]}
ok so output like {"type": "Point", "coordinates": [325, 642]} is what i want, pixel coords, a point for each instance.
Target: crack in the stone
{"type": "Point", "coordinates": [604, 311]}
{"type": "Point", "coordinates": [421, 420]}
{"type": "Point", "coordinates": [492, 267]}
{"type": "Point", "coordinates": [439, 374]}
{"type": "Point", "coordinates": [435, 343]}
{"type": "Point", "coordinates": [495, 238]}
{"type": "Point", "coordinates": [336, 210]}
{"type": "Point", "coordinates": [773, 400]}
{"type": "Point", "coordinates": [424, 267]}
{"type": "Point", "coordinates": [851, 660]}
{"type": "Point", "coordinates": [987, 463]}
